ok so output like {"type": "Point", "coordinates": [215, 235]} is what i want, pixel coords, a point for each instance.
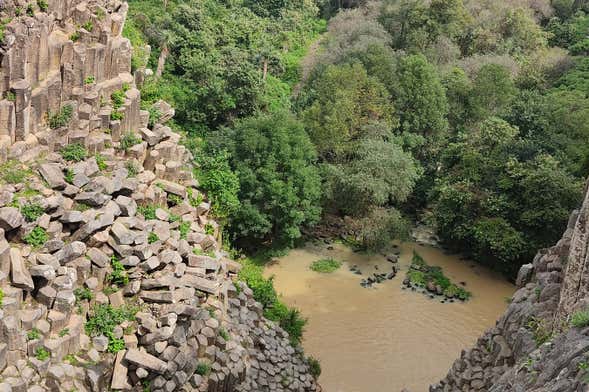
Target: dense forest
{"type": "Point", "coordinates": [472, 116]}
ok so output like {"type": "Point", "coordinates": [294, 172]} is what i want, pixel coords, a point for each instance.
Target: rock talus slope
{"type": "Point", "coordinates": [111, 273]}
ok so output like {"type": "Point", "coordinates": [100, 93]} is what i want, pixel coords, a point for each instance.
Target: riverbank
{"type": "Point", "coordinates": [384, 338]}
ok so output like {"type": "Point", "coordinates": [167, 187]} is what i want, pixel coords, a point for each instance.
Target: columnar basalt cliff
{"type": "Point", "coordinates": [534, 346]}
{"type": "Point", "coordinates": [111, 275]}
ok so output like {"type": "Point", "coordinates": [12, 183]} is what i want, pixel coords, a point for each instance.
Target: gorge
{"type": "Point", "coordinates": [141, 211]}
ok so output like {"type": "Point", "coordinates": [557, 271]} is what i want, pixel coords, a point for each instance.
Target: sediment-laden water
{"type": "Point", "coordinates": [383, 339]}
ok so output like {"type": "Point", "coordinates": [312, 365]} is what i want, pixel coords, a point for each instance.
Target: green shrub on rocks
{"type": "Point", "coordinates": [69, 176]}
{"type": "Point", "coordinates": [61, 118]}
{"type": "Point", "coordinates": [129, 140]}
{"type": "Point", "coordinates": [203, 369]}
{"type": "Point", "coordinates": [541, 331]}
{"type": "Point", "coordinates": [148, 211]}
{"type": "Point", "coordinates": [101, 162]}
{"type": "Point", "coordinates": [580, 319]}
{"type": "Point", "coordinates": [289, 319]}
{"type": "Point", "coordinates": [152, 237]}
{"type": "Point", "coordinates": [14, 173]}
{"type": "Point", "coordinates": [83, 293]}
{"type": "Point", "coordinates": [118, 276]}
{"type": "Point", "coordinates": [314, 367]}
{"type": "Point", "coordinates": [74, 152]}
{"type": "Point", "coordinates": [33, 334]}
{"type": "Point", "coordinates": [103, 320]}
{"type": "Point", "coordinates": [325, 265]}
{"type": "Point", "coordinates": [1, 297]}
{"type": "Point", "coordinates": [116, 115]}
{"type": "Point", "coordinates": [37, 237]}
{"type": "Point", "coordinates": [42, 5]}
{"type": "Point", "coordinates": [422, 274]}
{"type": "Point", "coordinates": [42, 354]}
{"type": "Point", "coordinates": [184, 228]}
{"type": "Point", "coordinates": [31, 211]}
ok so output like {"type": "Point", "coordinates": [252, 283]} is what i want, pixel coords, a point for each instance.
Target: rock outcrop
{"type": "Point", "coordinates": [111, 273]}
{"type": "Point", "coordinates": [534, 347]}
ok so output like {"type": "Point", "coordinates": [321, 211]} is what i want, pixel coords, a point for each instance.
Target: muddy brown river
{"type": "Point", "coordinates": [384, 339]}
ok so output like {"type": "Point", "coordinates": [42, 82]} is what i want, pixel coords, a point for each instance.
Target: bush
{"type": "Point", "coordinates": [118, 276]}
{"type": "Point", "coordinates": [541, 331]}
{"type": "Point", "coordinates": [42, 354]}
{"type": "Point", "coordinates": [224, 334]}
{"type": "Point", "coordinates": [37, 237]}
{"type": "Point", "coordinates": [89, 80]}
{"type": "Point", "coordinates": [209, 229]}
{"type": "Point", "coordinates": [69, 176]}
{"type": "Point", "coordinates": [61, 118]}
{"type": "Point", "coordinates": [31, 211]}
{"type": "Point", "coordinates": [148, 211]}
{"type": "Point", "coordinates": [103, 320]}
{"type": "Point", "coordinates": [129, 140]}
{"type": "Point", "coordinates": [115, 115]}
{"type": "Point", "coordinates": [1, 297]}
{"type": "Point", "coordinates": [88, 26]}
{"type": "Point", "coordinates": [75, 152]}
{"type": "Point", "coordinates": [33, 334]}
{"type": "Point", "coordinates": [203, 369]}
{"type": "Point", "coordinates": [13, 172]}
{"type": "Point", "coordinates": [75, 36]}
{"type": "Point", "coordinates": [314, 367]}
{"type": "Point", "coordinates": [118, 99]}
{"type": "Point", "coordinates": [184, 228]}
{"type": "Point", "coordinates": [580, 319]}
{"type": "Point", "coordinates": [101, 162]}
{"type": "Point", "coordinates": [325, 265]}
{"type": "Point", "coordinates": [152, 237]}
{"type": "Point", "coordinates": [83, 293]}
{"type": "Point", "coordinates": [43, 6]}
{"type": "Point", "coordinates": [289, 319]}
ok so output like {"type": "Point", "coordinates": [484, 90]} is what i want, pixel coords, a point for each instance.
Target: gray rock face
{"type": "Point", "coordinates": [53, 174]}
{"type": "Point", "coordinates": [532, 348]}
{"type": "Point", "coordinates": [10, 218]}
{"type": "Point", "coordinates": [19, 273]}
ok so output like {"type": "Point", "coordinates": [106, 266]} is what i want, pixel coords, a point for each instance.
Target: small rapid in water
{"type": "Point", "coordinates": [383, 339]}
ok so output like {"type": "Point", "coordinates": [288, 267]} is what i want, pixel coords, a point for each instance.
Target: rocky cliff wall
{"type": "Point", "coordinates": [534, 346]}
{"type": "Point", "coordinates": [111, 275]}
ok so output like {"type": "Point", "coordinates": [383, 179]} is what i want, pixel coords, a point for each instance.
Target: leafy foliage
{"type": "Point", "coordinates": [325, 265]}
{"type": "Point", "coordinates": [75, 152]}
{"type": "Point", "coordinates": [61, 118]}
{"type": "Point", "coordinates": [31, 211]}
{"type": "Point", "coordinates": [279, 186]}
{"type": "Point", "coordinates": [37, 237]}
{"type": "Point", "coordinates": [103, 320]}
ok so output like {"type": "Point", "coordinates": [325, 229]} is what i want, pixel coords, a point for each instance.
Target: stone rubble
{"type": "Point", "coordinates": [197, 328]}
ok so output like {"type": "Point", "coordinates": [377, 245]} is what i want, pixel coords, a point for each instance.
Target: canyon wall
{"type": "Point", "coordinates": [112, 276]}
{"type": "Point", "coordinates": [541, 343]}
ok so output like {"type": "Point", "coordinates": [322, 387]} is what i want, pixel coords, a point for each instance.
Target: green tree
{"type": "Point", "coordinates": [279, 187]}
{"type": "Point", "coordinates": [345, 100]}
{"type": "Point", "coordinates": [493, 91]}
{"type": "Point", "coordinates": [421, 98]}
{"type": "Point", "coordinates": [376, 172]}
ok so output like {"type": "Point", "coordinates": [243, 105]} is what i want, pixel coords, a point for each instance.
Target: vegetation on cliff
{"type": "Point", "coordinates": [475, 112]}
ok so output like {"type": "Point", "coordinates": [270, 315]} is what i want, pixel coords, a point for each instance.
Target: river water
{"type": "Point", "coordinates": [384, 339]}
